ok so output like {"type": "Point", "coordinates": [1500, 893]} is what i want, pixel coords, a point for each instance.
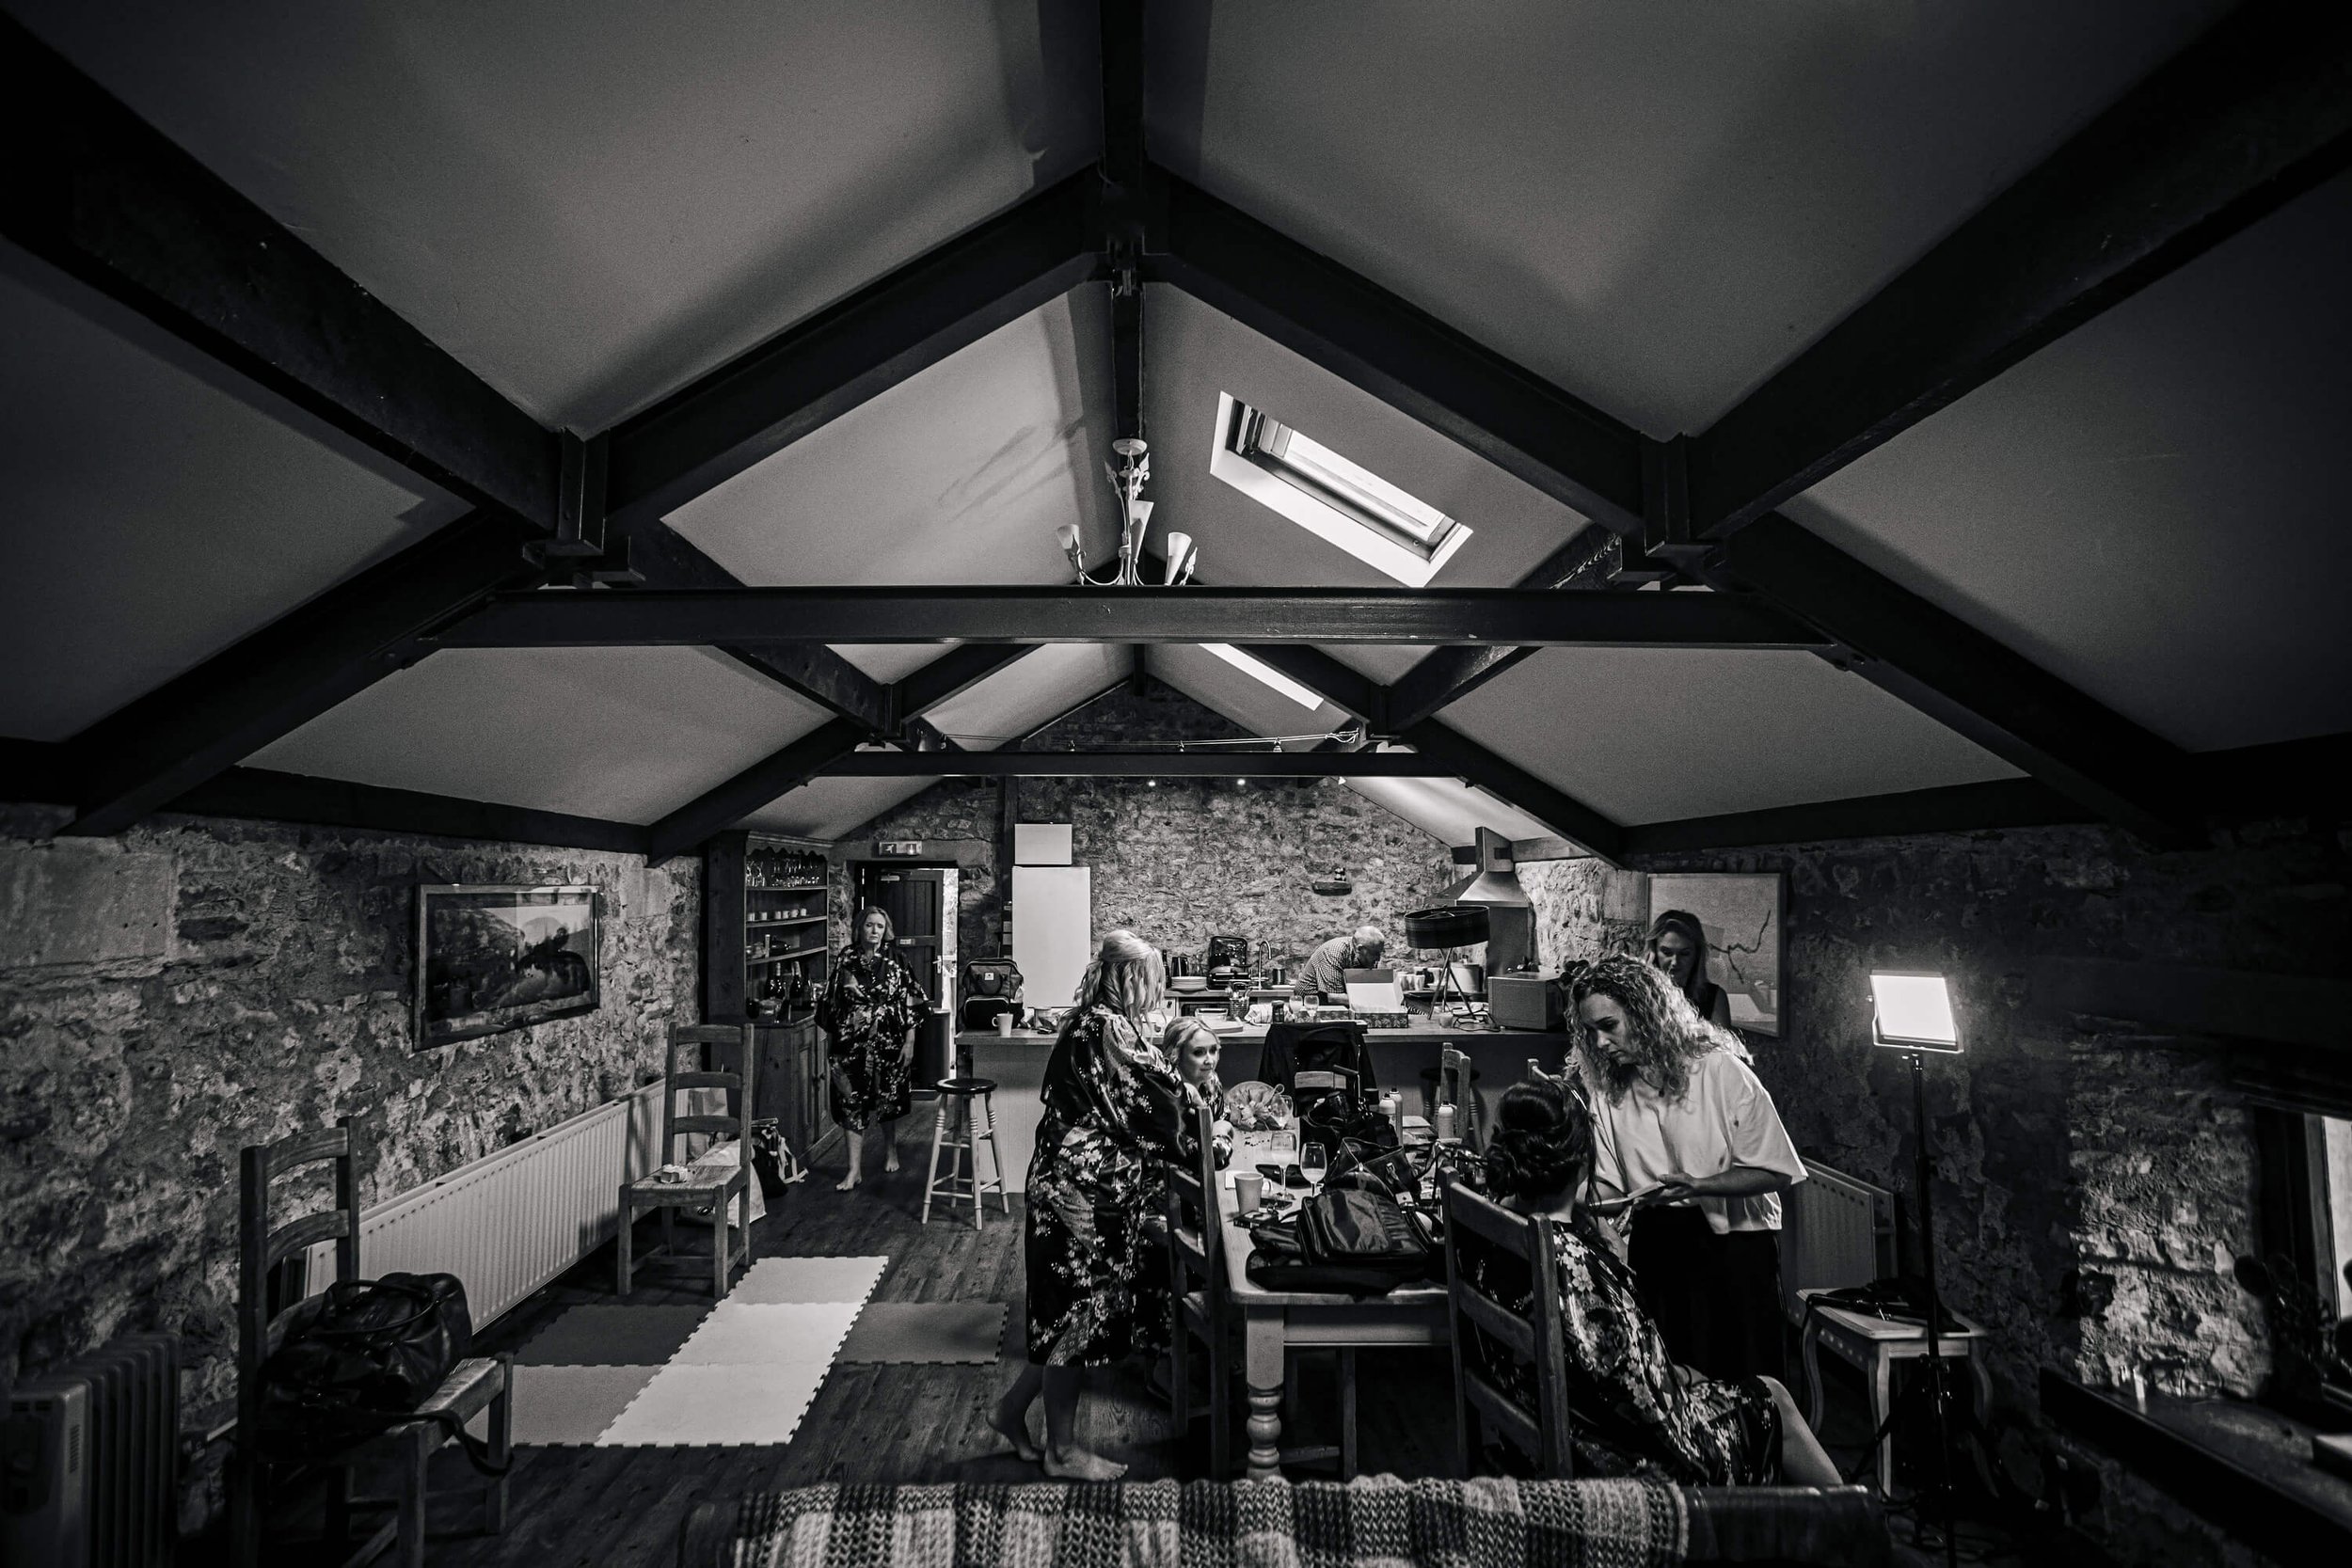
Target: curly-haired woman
{"type": "Point", "coordinates": [1684, 1129]}
{"type": "Point", "coordinates": [1634, 1407]}
{"type": "Point", "coordinates": [1115, 1111]}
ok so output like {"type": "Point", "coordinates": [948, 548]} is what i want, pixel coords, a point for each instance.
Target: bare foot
{"type": "Point", "coordinates": [1017, 1434]}
{"type": "Point", "coordinates": [1081, 1464]}
{"type": "Point", "coordinates": [846, 1182]}
{"type": "Point", "coordinates": [890, 1163]}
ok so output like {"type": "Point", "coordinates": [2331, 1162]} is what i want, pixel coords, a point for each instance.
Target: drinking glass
{"type": "Point", "coordinates": [1312, 1161]}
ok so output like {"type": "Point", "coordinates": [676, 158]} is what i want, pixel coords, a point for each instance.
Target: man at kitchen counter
{"type": "Point", "coordinates": [1326, 969]}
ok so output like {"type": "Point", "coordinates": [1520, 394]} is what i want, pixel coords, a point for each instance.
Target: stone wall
{"type": "Point", "coordinates": [2095, 1180]}
{"type": "Point", "coordinates": [192, 986]}
{"type": "Point", "coordinates": [1186, 859]}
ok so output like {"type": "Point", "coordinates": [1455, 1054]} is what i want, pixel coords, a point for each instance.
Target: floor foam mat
{"type": "Point", "coordinates": [613, 1334]}
{"type": "Point", "coordinates": [924, 1332]}
{"type": "Point", "coordinates": [573, 1405]}
{"type": "Point", "coordinates": [794, 1281]}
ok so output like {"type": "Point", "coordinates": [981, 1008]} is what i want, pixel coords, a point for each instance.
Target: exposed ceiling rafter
{"type": "Point", "coordinates": [793, 765]}
{"type": "Point", "coordinates": [2251, 114]}
{"type": "Point", "coordinates": [104, 197]}
{"type": "Point", "coordinates": [769, 397]}
{"type": "Point", "coordinates": [1022, 613]}
{"type": "Point", "coordinates": [1200, 763]}
{"type": "Point", "coordinates": [1638, 488]}
{"type": "Point", "coordinates": [1592, 557]}
{"type": "Point", "coordinates": [1360, 695]}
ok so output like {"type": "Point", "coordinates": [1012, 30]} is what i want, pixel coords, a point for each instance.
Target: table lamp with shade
{"type": "Point", "coordinates": [1912, 1012]}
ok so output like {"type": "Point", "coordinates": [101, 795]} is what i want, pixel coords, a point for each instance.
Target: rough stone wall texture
{"type": "Point", "coordinates": [192, 986]}
{"type": "Point", "coordinates": [2094, 1177]}
{"type": "Point", "coordinates": [1190, 858]}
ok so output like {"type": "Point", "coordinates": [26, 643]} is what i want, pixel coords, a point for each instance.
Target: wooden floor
{"type": "Point", "coordinates": [902, 1424]}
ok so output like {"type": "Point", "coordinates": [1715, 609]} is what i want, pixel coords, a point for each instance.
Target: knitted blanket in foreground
{"type": "Point", "coordinates": [1374, 1522]}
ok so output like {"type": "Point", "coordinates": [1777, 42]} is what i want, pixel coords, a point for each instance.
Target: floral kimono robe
{"type": "Point", "coordinates": [1114, 1113]}
{"type": "Point", "coordinates": [868, 1006]}
{"type": "Point", "coordinates": [1631, 1412]}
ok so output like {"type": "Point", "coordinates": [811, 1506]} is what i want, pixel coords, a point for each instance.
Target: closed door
{"type": "Point", "coordinates": [914, 898]}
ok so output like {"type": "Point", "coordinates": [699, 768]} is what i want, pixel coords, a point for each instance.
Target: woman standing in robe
{"type": "Point", "coordinates": [870, 1011]}
{"type": "Point", "coordinates": [1115, 1112]}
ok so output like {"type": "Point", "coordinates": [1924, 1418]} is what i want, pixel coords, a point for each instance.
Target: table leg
{"type": "Point", "coordinates": [1261, 1368]}
{"type": "Point", "coordinates": [1882, 1377]}
{"type": "Point", "coordinates": [620, 1251]}
{"type": "Point", "coordinates": [1812, 1342]}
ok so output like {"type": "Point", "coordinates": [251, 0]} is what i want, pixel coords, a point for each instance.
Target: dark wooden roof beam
{"type": "Point", "coordinates": [1021, 613]}
{"type": "Point", "coordinates": [2254, 112]}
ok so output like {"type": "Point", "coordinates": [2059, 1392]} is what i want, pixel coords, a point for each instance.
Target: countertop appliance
{"type": "Point", "coordinates": [1524, 1001]}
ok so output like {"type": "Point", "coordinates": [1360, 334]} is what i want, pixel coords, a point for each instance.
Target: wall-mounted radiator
{"type": "Point", "coordinates": [1833, 1231]}
{"type": "Point", "coordinates": [512, 1221]}
{"type": "Point", "coordinates": [90, 1478]}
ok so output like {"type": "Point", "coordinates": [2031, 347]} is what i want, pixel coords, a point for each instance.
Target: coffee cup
{"type": "Point", "coordinates": [1248, 1190]}
{"type": "Point", "coordinates": [1004, 1025]}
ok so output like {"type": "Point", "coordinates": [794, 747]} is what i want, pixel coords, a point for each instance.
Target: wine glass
{"type": "Point", "coordinates": [1312, 1163]}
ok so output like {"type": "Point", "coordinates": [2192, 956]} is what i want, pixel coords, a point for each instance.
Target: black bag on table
{"type": "Point", "coordinates": [359, 1358]}
{"type": "Point", "coordinates": [1346, 1238]}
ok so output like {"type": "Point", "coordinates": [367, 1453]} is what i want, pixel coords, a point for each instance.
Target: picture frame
{"type": "Point", "coordinates": [1744, 916]}
{"type": "Point", "coordinates": [493, 957]}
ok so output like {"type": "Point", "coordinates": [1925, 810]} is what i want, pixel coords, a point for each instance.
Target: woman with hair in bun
{"type": "Point", "coordinates": [1115, 1111]}
{"type": "Point", "coordinates": [1634, 1407]}
{"type": "Point", "coordinates": [1686, 1132]}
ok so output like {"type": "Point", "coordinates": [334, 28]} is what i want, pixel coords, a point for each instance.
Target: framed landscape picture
{"type": "Point", "coordinates": [493, 958]}
{"type": "Point", "coordinates": [1741, 913]}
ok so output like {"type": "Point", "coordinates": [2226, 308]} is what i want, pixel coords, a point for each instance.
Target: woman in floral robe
{"type": "Point", "coordinates": [870, 1011]}
{"type": "Point", "coordinates": [1097, 1285]}
{"type": "Point", "coordinates": [1634, 1409]}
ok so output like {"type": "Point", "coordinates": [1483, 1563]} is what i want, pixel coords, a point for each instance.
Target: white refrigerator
{"type": "Point", "coordinates": [1053, 931]}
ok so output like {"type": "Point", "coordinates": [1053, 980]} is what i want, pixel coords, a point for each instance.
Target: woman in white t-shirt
{"type": "Point", "coordinates": [1686, 1139]}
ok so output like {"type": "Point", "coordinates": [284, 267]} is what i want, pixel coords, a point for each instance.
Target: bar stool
{"type": "Point", "coordinates": [1462, 1094]}
{"type": "Point", "coordinates": [965, 1120]}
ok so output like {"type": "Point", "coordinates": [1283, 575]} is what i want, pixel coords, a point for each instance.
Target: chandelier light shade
{"type": "Point", "coordinates": [1134, 522]}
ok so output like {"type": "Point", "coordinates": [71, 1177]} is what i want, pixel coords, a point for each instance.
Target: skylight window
{"type": "Point", "coordinates": [1338, 500]}
{"type": "Point", "coordinates": [1249, 664]}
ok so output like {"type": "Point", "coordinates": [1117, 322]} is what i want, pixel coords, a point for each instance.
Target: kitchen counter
{"type": "Point", "coordinates": [1398, 1055]}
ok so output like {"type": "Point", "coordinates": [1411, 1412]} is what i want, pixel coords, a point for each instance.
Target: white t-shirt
{"type": "Point", "coordinates": [1724, 1120]}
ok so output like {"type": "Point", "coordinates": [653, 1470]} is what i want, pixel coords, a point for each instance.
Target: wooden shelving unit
{"type": "Point", "coordinates": [760, 926]}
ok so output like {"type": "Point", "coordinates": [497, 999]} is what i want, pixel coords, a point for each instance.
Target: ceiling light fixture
{"type": "Point", "coordinates": [1180, 557]}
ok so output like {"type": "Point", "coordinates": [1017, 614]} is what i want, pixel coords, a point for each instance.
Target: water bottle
{"type": "Point", "coordinates": [1445, 1124]}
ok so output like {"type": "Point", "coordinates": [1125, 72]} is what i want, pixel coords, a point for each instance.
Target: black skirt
{"type": "Point", "coordinates": [1716, 1299]}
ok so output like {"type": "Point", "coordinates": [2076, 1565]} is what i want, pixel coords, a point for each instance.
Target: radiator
{"type": "Point", "coordinates": [512, 1221]}
{"type": "Point", "coordinates": [1833, 1230]}
{"type": "Point", "coordinates": [92, 1459]}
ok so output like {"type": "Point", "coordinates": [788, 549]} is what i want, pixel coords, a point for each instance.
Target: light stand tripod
{"type": "Point", "coordinates": [1914, 1016]}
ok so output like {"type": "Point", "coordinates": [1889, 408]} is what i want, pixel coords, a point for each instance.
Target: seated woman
{"type": "Point", "coordinates": [1193, 1047]}
{"type": "Point", "coordinates": [1634, 1409]}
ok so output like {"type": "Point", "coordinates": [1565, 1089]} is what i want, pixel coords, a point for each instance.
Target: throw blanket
{"type": "Point", "coordinates": [1374, 1522]}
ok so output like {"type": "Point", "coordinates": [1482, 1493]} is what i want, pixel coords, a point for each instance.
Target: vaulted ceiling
{"type": "Point", "coordinates": [1506, 256]}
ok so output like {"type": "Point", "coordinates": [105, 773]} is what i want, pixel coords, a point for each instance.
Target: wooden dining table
{"type": "Point", "coordinates": [1275, 1322]}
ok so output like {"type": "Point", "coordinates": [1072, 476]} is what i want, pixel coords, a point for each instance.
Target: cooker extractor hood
{"type": "Point", "coordinates": [1495, 880]}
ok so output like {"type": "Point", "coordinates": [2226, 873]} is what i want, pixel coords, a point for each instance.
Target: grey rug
{"type": "Point", "coordinates": [600, 1335]}
{"type": "Point", "coordinates": [915, 1332]}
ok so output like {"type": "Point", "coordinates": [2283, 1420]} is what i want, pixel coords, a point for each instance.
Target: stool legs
{"type": "Point", "coordinates": [964, 1121]}
{"type": "Point", "coordinates": [930, 1173]}
{"type": "Point", "coordinates": [987, 1129]}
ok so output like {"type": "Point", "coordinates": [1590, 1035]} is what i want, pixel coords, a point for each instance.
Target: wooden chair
{"type": "Point", "coordinates": [474, 1385]}
{"type": "Point", "coordinates": [720, 1190]}
{"type": "Point", "coordinates": [1533, 1337]}
{"type": "Point", "coordinates": [1195, 1252]}
{"type": "Point", "coordinates": [1457, 1086]}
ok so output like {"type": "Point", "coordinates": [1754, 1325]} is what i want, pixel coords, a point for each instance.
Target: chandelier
{"type": "Point", "coordinates": [1180, 557]}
